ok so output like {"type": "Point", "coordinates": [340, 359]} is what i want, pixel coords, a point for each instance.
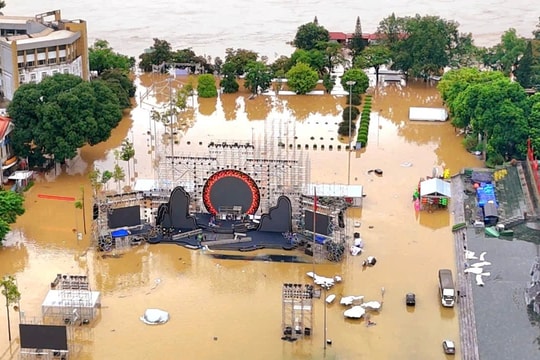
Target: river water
{"type": "Point", "coordinates": [232, 309]}
{"type": "Point", "coordinates": [209, 27]}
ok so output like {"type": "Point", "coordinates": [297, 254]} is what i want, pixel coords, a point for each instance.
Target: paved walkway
{"type": "Point", "coordinates": [467, 319]}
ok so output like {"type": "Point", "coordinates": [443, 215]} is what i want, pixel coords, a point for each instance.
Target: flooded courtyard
{"type": "Point", "coordinates": [227, 309]}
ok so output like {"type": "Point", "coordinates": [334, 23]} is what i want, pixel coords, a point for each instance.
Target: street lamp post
{"type": "Point", "coordinates": [349, 83]}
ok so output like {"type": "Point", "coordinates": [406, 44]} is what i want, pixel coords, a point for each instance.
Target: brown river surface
{"type": "Point", "coordinates": [224, 309]}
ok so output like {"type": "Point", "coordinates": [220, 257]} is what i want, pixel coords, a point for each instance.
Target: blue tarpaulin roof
{"type": "Point", "coordinates": [119, 233]}
{"type": "Point", "coordinates": [486, 193]}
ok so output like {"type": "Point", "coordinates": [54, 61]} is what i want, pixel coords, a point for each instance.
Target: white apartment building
{"type": "Point", "coordinates": [32, 48]}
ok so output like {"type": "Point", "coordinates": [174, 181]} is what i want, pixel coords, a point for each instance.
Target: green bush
{"type": "Point", "coordinates": [354, 99]}
{"type": "Point", "coordinates": [354, 112]}
{"type": "Point", "coordinates": [206, 87]}
{"type": "Point", "coordinates": [343, 128]}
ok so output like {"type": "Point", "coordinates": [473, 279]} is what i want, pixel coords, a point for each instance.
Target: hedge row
{"type": "Point", "coordinates": [363, 131]}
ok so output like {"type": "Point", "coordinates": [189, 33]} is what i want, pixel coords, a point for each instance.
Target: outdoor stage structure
{"type": "Point", "coordinates": [261, 170]}
{"type": "Point", "coordinates": [68, 313]}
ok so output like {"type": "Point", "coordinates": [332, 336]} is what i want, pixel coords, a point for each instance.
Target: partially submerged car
{"type": "Point", "coordinates": [449, 347]}
{"type": "Point", "coordinates": [410, 299]}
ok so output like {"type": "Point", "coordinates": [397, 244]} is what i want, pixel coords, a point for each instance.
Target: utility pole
{"type": "Point", "coordinates": [350, 83]}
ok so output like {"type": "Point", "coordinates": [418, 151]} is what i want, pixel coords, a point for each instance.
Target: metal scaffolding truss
{"type": "Point", "coordinates": [297, 310]}
{"type": "Point", "coordinates": [274, 163]}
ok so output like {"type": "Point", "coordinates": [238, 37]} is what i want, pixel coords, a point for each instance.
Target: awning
{"type": "Point", "coordinates": [9, 163]}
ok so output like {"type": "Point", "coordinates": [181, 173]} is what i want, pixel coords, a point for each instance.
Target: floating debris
{"type": "Point", "coordinates": [155, 317]}
{"type": "Point", "coordinates": [350, 300]}
{"type": "Point", "coordinates": [372, 305]}
{"type": "Point", "coordinates": [356, 312]}
{"type": "Point", "coordinates": [330, 298]}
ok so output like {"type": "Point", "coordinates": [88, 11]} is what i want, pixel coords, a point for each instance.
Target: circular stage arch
{"type": "Point", "coordinates": [227, 188]}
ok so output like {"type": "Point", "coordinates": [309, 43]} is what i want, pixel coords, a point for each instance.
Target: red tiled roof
{"type": "Point", "coordinates": [337, 36]}
{"type": "Point", "coordinates": [4, 124]}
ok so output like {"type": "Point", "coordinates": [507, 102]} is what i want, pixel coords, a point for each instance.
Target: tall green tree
{"type": "Point", "coordinates": [361, 80]}
{"type": "Point", "coordinates": [314, 58]}
{"type": "Point", "coordinates": [524, 70]}
{"type": "Point", "coordinates": [206, 87]}
{"type": "Point", "coordinates": [258, 77]}
{"type": "Point", "coordinates": [101, 57]}
{"type": "Point", "coordinates": [127, 153]}
{"type": "Point", "coordinates": [157, 54]}
{"type": "Point", "coordinates": [302, 78]}
{"type": "Point", "coordinates": [491, 107]}
{"type": "Point", "coordinates": [11, 294]}
{"type": "Point", "coordinates": [240, 58]}
{"type": "Point", "coordinates": [2, 4]}
{"type": "Point", "coordinates": [421, 45]}
{"type": "Point", "coordinates": [121, 84]}
{"type": "Point", "coordinates": [309, 35]}
{"type": "Point", "coordinates": [504, 56]}
{"type": "Point", "coordinates": [11, 206]}
{"type": "Point", "coordinates": [228, 80]}
{"type": "Point", "coordinates": [373, 56]}
{"type": "Point", "coordinates": [61, 114]}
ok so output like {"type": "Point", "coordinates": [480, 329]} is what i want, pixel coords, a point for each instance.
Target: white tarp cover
{"type": "Point", "coordinates": [21, 175]}
{"type": "Point", "coordinates": [155, 317]}
{"type": "Point", "coordinates": [427, 114]}
{"type": "Point", "coordinates": [435, 187]}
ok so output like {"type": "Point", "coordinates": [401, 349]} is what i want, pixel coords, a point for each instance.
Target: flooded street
{"type": "Point", "coordinates": [223, 309]}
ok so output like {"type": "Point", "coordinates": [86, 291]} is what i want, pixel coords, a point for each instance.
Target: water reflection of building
{"type": "Point", "coordinates": [35, 47]}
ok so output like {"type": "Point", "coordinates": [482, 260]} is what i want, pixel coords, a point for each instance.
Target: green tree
{"type": "Point", "coordinates": [421, 45]}
{"type": "Point", "coordinates": [390, 31]}
{"type": "Point", "coordinates": [61, 114]}
{"type": "Point", "coordinates": [504, 56]}
{"type": "Point", "coordinates": [102, 57]}
{"type": "Point", "coordinates": [2, 4]}
{"type": "Point", "coordinates": [12, 295]}
{"type": "Point", "coordinates": [357, 43]}
{"type": "Point", "coordinates": [120, 84]}
{"type": "Point", "coordinates": [228, 81]}
{"type": "Point", "coordinates": [240, 58]}
{"type": "Point", "coordinates": [206, 87]}
{"type": "Point", "coordinates": [373, 56]}
{"type": "Point", "coordinates": [359, 77]}
{"type": "Point", "coordinates": [329, 82]}
{"type": "Point", "coordinates": [314, 58]}
{"type": "Point", "coordinates": [524, 69]}
{"type": "Point", "coordinates": [127, 153]}
{"type": "Point", "coordinates": [11, 206]}
{"type": "Point", "coordinates": [333, 53]}
{"type": "Point", "coordinates": [302, 78]}
{"type": "Point", "coordinates": [536, 32]}
{"type": "Point", "coordinates": [309, 35]}
{"type": "Point", "coordinates": [282, 63]}
{"type": "Point", "coordinates": [258, 77]}
{"type": "Point", "coordinates": [118, 175]}
{"type": "Point", "coordinates": [492, 107]}
{"type": "Point", "coordinates": [157, 54]}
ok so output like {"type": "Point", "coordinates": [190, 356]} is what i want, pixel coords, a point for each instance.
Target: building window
{"type": "Point", "coordinates": [63, 59]}
{"type": "Point", "coordinates": [52, 48]}
{"type": "Point", "coordinates": [30, 64]}
{"type": "Point", "coordinates": [33, 77]}
{"type": "Point", "coordinates": [62, 47]}
{"type": "Point", "coordinates": [20, 53]}
{"type": "Point", "coordinates": [41, 50]}
{"type": "Point", "coordinates": [42, 62]}
{"type": "Point", "coordinates": [44, 75]}
{"type": "Point", "coordinates": [66, 71]}
{"type": "Point", "coordinates": [22, 79]}
{"type": "Point", "coordinates": [20, 65]}
{"type": "Point", "coordinates": [55, 71]}
{"type": "Point", "coordinates": [52, 61]}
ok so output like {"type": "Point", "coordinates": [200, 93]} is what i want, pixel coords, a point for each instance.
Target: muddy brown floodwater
{"type": "Point", "coordinates": [223, 309]}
